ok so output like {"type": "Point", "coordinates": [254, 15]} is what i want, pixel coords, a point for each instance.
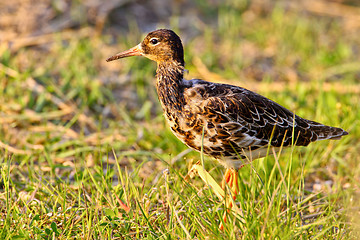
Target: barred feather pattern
{"type": "Point", "coordinates": [232, 123]}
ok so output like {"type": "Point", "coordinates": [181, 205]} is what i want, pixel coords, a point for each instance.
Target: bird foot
{"type": "Point", "coordinates": [230, 183]}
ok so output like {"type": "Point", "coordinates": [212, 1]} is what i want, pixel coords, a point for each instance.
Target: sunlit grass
{"type": "Point", "coordinates": [81, 137]}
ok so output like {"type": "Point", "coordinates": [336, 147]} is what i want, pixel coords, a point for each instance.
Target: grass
{"type": "Point", "coordinates": [79, 137]}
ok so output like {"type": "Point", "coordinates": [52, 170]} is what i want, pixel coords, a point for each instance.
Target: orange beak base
{"type": "Point", "coordinates": [135, 51]}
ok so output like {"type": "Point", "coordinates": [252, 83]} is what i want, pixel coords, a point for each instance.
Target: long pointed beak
{"type": "Point", "coordinates": [135, 51]}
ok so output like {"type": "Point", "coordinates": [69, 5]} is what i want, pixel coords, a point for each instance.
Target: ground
{"type": "Point", "coordinates": [85, 151]}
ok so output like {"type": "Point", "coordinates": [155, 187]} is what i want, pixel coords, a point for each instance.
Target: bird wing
{"type": "Point", "coordinates": [239, 113]}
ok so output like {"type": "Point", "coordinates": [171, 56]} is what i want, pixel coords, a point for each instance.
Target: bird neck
{"type": "Point", "coordinates": [169, 87]}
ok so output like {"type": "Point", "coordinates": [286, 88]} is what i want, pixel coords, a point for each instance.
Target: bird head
{"type": "Point", "coordinates": [161, 45]}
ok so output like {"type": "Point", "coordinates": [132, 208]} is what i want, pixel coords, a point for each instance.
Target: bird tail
{"type": "Point", "coordinates": [326, 132]}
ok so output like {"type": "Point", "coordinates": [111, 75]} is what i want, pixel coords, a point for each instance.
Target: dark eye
{"type": "Point", "coordinates": [154, 41]}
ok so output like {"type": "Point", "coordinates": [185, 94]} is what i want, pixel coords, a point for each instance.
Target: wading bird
{"type": "Point", "coordinates": [227, 122]}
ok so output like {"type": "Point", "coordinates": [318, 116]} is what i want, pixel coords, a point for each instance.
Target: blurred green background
{"type": "Point", "coordinates": [79, 136]}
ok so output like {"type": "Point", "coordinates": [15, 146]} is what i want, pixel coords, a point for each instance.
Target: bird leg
{"type": "Point", "coordinates": [230, 180]}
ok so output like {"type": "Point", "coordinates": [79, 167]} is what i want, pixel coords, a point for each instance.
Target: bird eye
{"type": "Point", "coordinates": [154, 41]}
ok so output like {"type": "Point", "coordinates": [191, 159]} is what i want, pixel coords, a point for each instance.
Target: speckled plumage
{"type": "Point", "coordinates": [235, 123]}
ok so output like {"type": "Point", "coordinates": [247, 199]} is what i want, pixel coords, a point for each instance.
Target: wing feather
{"type": "Point", "coordinates": [238, 110]}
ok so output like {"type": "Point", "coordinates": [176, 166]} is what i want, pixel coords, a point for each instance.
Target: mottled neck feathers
{"type": "Point", "coordinates": [169, 77]}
